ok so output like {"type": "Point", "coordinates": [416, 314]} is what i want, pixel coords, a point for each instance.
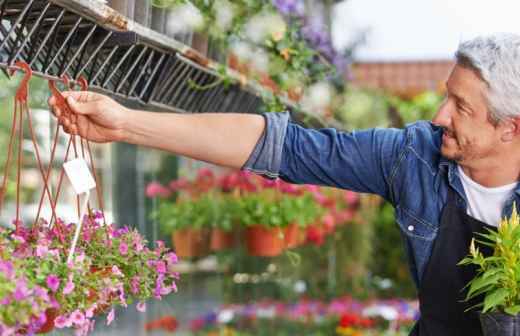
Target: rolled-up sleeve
{"type": "Point", "coordinates": [266, 157]}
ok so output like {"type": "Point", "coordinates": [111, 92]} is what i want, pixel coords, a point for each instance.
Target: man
{"type": "Point", "coordinates": [447, 179]}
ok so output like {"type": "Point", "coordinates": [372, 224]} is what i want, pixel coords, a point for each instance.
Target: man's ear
{"type": "Point", "coordinates": [511, 129]}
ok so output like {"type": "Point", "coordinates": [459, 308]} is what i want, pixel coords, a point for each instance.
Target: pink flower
{"type": "Point", "coordinates": [41, 251]}
{"type": "Point", "coordinates": [351, 197]}
{"type": "Point", "coordinates": [7, 268]}
{"type": "Point", "coordinates": [123, 248]}
{"type": "Point", "coordinates": [77, 317]}
{"type": "Point", "coordinates": [160, 267]}
{"type": "Point", "coordinates": [69, 286]}
{"type": "Point", "coordinates": [110, 316]}
{"type": "Point", "coordinates": [141, 306]}
{"type": "Point", "coordinates": [179, 184]}
{"type": "Point", "coordinates": [159, 244]}
{"type": "Point", "coordinates": [62, 322]}
{"type": "Point", "coordinates": [134, 285]}
{"type": "Point", "coordinates": [171, 258]}
{"type": "Point", "coordinates": [53, 282]}
{"type": "Point", "coordinates": [21, 291]}
{"type": "Point", "coordinates": [89, 313]}
{"type": "Point", "coordinates": [116, 271]}
{"type": "Point", "coordinates": [138, 244]}
{"type": "Point", "coordinates": [155, 189]}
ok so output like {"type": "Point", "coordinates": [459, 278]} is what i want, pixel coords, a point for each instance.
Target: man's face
{"type": "Point", "coordinates": [469, 136]}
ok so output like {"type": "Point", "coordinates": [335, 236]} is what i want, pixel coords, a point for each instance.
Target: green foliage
{"type": "Point", "coordinates": [195, 213]}
{"type": "Point", "coordinates": [498, 275]}
{"type": "Point", "coordinates": [370, 108]}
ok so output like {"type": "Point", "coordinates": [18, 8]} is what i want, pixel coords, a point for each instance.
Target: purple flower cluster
{"type": "Point", "coordinates": [290, 7]}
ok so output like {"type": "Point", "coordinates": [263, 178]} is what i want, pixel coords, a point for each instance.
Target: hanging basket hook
{"type": "Point", "coordinates": [21, 93]}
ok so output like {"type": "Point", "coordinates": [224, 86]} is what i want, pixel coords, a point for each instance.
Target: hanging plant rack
{"type": "Point", "coordinates": [116, 55]}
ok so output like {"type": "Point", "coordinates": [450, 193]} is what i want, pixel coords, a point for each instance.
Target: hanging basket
{"type": "Point", "coordinates": [46, 267]}
{"type": "Point", "coordinates": [191, 243]}
{"type": "Point", "coordinates": [264, 242]}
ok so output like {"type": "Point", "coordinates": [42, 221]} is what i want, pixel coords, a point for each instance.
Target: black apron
{"type": "Point", "coordinates": [441, 298]}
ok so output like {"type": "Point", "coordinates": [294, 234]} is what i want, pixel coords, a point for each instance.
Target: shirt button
{"type": "Point", "coordinates": [410, 228]}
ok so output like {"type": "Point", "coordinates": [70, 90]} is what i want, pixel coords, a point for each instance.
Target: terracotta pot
{"type": "Point", "coordinates": [293, 236]}
{"type": "Point", "coordinates": [190, 243]}
{"type": "Point", "coordinates": [222, 240]}
{"type": "Point", "coordinates": [264, 242]}
{"type": "Point", "coordinates": [51, 315]}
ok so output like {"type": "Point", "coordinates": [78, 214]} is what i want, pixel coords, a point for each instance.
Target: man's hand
{"type": "Point", "coordinates": [97, 117]}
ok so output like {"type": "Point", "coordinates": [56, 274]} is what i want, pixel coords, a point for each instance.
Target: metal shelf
{"type": "Point", "coordinates": [119, 57]}
{"type": "Point", "coordinates": [116, 56]}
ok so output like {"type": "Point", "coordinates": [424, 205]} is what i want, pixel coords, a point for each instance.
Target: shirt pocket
{"type": "Point", "coordinates": [413, 226]}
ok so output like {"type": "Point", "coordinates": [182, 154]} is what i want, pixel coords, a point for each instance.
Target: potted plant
{"type": "Point", "coordinates": [224, 233]}
{"type": "Point", "coordinates": [299, 211]}
{"type": "Point", "coordinates": [189, 221]}
{"type": "Point", "coordinates": [262, 215]}
{"type": "Point", "coordinates": [497, 278]}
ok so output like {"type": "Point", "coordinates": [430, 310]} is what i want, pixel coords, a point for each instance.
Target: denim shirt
{"type": "Point", "coordinates": [404, 166]}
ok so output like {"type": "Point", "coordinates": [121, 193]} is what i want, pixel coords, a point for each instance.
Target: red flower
{"type": "Point", "coordinates": [352, 320]}
{"type": "Point", "coordinates": [314, 235]}
{"type": "Point", "coordinates": [167, 323]}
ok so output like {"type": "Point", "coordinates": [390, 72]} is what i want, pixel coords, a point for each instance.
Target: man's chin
{"type": "Point", "coordinates": [451, 154]}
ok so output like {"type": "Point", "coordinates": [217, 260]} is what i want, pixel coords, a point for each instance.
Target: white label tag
{"type": "Point", "coordinates": [79, 175]}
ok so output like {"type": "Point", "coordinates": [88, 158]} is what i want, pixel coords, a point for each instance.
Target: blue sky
{"type": "Point", "coordinates": [421, 29]}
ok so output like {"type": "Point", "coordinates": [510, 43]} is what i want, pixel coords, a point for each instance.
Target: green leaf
{"type": "Point", "coordinates": [481, 282]}
{"type": "Point", "coordinates": [513, 310]}
{"type": "Point", "coordinates": [495, 299]}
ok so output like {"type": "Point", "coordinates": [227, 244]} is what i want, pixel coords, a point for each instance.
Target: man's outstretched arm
{"type": "Point", "coordinates": [226, 139]}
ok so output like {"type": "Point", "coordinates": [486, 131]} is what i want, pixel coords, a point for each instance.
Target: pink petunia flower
{"type": "Point", "coordinates": [53, 282]}
{"type": "Point", "coordinates": [110, 316]}
{"type": "Point", "coordinates": [116, 271]}
{"type": "Point", "coordinates": [160, 267]}
{"type": "Point", "coordinates": [69, 286]}
{"type": "Point", "coordinates": [123, 248]}
{"type": "Point", "coordinates": [77, 317]}
{"type": "Point", "coordinates": [62, 321]}
{"type": "Point", "coordinates": [141, 306]}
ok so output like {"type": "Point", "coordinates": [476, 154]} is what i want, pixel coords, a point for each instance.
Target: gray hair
{"type": "Point", "coordinates": [496, 59]}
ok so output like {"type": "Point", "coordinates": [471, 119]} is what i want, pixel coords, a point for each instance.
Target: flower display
{"type": "Point", "coordinates": [111, 267]}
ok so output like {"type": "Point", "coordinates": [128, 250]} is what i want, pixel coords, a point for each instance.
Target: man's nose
{"type": "Point", "coordinates": [443, 116]}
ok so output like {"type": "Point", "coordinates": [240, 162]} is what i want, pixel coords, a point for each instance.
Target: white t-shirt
{"type": "Point", "coordinates": [485, 204]}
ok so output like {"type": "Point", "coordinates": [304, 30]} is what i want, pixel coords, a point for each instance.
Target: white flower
{"type": "Point", "coordinates": [225, 316]}
{"type": "Point", "coordinates": [261, 61]}
{"type": "Point", "coordinates": [317, 97]}
{"type": "Point", "coordinates": [387, 312]}
{"type": "Point", "coordinates": [224, 14]}
{"type": "Point", "coordinates": [185, 18]}
{"type": "Point", "coordinates": [242, 50]}
{"type": "Point", "coordinates": [262, 25]}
